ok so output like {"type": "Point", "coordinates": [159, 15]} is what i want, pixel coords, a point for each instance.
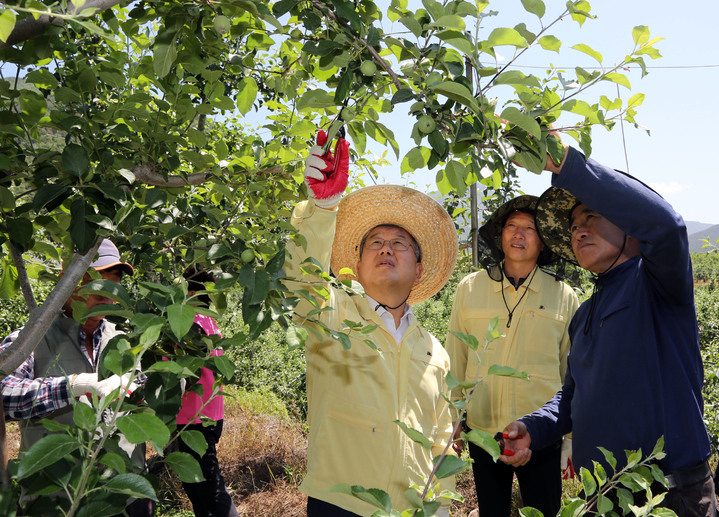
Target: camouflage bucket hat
{"type": "Point", "coordinates": [491, 231]}
{"type": "Point", "coordinates": [554, 209]}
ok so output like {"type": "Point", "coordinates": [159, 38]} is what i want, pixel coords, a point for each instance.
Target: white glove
{"type": "Point", "coordinates": [83, 383]}
{"type": "Point", "coordinates": [566, 459]}
{"type": "Point", "coordinates": [442, 512]}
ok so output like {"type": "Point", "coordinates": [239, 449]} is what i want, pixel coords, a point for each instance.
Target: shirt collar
{"type": "Point", "coordinates": [534, 285]}
{"type": "Point", "coordinates": [374, 304]}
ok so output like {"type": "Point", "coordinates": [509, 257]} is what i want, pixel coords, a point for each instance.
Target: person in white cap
{"type": "Point", "coordinates": [401, 246]}
{"type": "Point", "coordinates": [64, 366]}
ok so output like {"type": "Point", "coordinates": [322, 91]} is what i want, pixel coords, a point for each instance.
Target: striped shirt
{"type": "Point", "coordinates": [25, 396]}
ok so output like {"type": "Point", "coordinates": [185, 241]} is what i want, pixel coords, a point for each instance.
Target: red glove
{"type": "Point", "coordinates": [326, 174]}
{"type": "Point", "coordinates": [568, 472]}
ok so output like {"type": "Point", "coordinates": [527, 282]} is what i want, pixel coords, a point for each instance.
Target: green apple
{"type": "Point", "coordinates": [247, 256]}
{"type": "Point", "coordinates": [222, 24]}
{"type": "Point", "coordinates": [368, 68]}
{"type": "Point", "coordinates": [426, 124]}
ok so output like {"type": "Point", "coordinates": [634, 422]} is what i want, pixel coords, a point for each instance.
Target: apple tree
{"type": "Point", "coordinates": [179, 130]}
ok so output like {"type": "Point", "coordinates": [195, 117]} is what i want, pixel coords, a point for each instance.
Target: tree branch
{"type": "Point", "coordinates": [42, 317]}
{"type": "Point", "coordinates": [22, 277]}
{"type": "Point", "coordinates": [147, 173]}
{"type": "Point", "coordinates": [29, 27]}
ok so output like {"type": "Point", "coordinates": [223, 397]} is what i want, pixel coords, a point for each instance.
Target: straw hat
{"type": "Point", "coordinates": [554, 209]}
{"type": "Point", "coordinates": [491, 231]}
{"type": "Point", "coordinates": [429, 224]}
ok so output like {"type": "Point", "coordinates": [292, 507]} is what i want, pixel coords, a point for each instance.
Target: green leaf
{"type": "Point", "coordinates": [588, 482]}
{"type": "Point", "coordinates": [453, 382]}
{"type": "Point", "coordinates": [315, 99]}
{"type": "Point", "coordinates": [455, 173]}
{"type": "Point", "coordinates": [9, 282]}
{"type": "Point", "coordinates": [450, 466]}
{"type": "Point", "coordinates": [144, 427]}
{"type": "Point", "coordinates": [7, 199]}
{"type": "Point", "coordinates": [457, 92]}
{"type": "Point", "coordinates": [132, 485]}
{"type": "Point", "coordinates": [402, 95]}
{"type": "Point", "coordinates": [604, 504]}
{"type": "Point", "coordinates": [415, 435]}
{"type": "Point", "coordinates": [484, 440]}
{"type": "Point", "coordinates": [586, 49]}
{"type": "Point", "coordinates": [113, 461]}
{"type": "Point", "coordinates": [45, 452]}
{"type": "Point", "coordinates": [7, 23]}
{"type": "Point", "coordinates": [458, 40]}
{"type": "Point", "coordinates": [609, 457]}
{"type": "Point", "coordinates": [81, 231]}
{"type": "Point", "coordinates": [620, 79]}
{"type": "Point", "coordinates": [49, 195]}
{"type": "Point", "coordinates": [449, 21]}
{"type": "Point", "coordinates": [20, 230]}
{"type": "Point", "coordinates": [296, 337]}
{"type": "Point", "coordinates": [84, 417]}
{"type": "Point", "coordinates": [640, 34]}
{"type": "Point", "coordinates": [505, 36]}
{"type": "Point", "coordinates": [528, 511]}
{"type": "Point", "coordinates": [343, 88]}
{"type": "Point", "coordinates": [536, 7]}
{"type": "Point", "coordinates": [374, 496]}
{"type": "Point", "coordinates": [550, 43]}
{"type": "Point", "coordinates": [517, 118]}
{"type": "Point", "coordinates": [507, 371]}
{"type": "Point", "coordinates": [195, 440]}
{"type": "Point", "coordinates": [181, 317]}
{"type": "Point", "coordinates": [224, 365]}
{"type": "Point", "coordinates": [246, 94]}
{"type": "Point", "coordinates": [415, 159]}
{"type": "Point", "coordinates": [75, 160]}
{"type": "Point", "coordinates": [108, 289]}
{"type": "Point", "coordinates": [164, 56]}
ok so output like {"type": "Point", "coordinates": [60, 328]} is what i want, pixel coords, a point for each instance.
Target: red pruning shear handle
{"type": "Point", "coordinates": [500, 440]}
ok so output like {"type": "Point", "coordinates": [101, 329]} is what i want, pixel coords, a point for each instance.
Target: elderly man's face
{"type": "Point", "coordinates": [387, 269]}
{"type": "Point", "coordinates": [595, 241]}
{"type": "Point", "coordinates": [520, 242]}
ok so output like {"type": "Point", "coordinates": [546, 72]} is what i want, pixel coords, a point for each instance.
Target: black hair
{"type": "Point", "coordinates": [196, 279]}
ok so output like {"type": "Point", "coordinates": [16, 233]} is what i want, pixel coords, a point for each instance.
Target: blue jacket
{"type": "Point", "coordinates": [635, 372]}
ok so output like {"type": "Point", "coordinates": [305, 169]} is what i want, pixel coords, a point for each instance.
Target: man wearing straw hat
{"type": "Point", "coordinates": [634, 372]}
{"type": "Point", "coordinates": [401, 246]}
{"type": "Point", "coordinates": [534, 309]}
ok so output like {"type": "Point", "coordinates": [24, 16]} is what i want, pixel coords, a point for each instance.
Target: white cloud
{"type": "Point", "coordinates": [670, 188]}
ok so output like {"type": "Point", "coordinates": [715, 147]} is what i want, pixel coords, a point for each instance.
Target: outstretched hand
{"type": "Point", "coordinates": [517, 442]}
{"type": "Point", "coordinates": [326, 173]}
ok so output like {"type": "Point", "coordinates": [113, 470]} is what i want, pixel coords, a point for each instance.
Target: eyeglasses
{"type": "Point", "coordinates": [394, 244]}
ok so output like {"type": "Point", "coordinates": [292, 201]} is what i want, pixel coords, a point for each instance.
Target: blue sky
{"type": "Point", "coordinates": [681, 108]}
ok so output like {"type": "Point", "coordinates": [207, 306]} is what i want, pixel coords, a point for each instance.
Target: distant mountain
{"type": "Point", "coordinates": [694, 226]}
{"type": "Point", "coordinates": [696, 238]}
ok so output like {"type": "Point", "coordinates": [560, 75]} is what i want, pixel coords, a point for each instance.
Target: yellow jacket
{"type": "Point", "coordinates": [355, 395]}
{"type": "Point", "coordinates": [536, 343]}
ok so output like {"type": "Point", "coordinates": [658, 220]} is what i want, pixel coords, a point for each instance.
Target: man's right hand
{"type": "Point", "coordinates": [87, 383]}
{"type": "Point", "coordinates": [327, 174]}
{"type": "Point", "coordinates": [518, 441]}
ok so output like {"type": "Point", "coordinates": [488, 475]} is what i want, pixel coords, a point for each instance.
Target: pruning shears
{"type": "Point", "coordinates": [500, 436]}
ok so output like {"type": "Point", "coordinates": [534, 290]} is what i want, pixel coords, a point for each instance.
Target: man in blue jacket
{"type": "Point", "coordinates": [634, 371]}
